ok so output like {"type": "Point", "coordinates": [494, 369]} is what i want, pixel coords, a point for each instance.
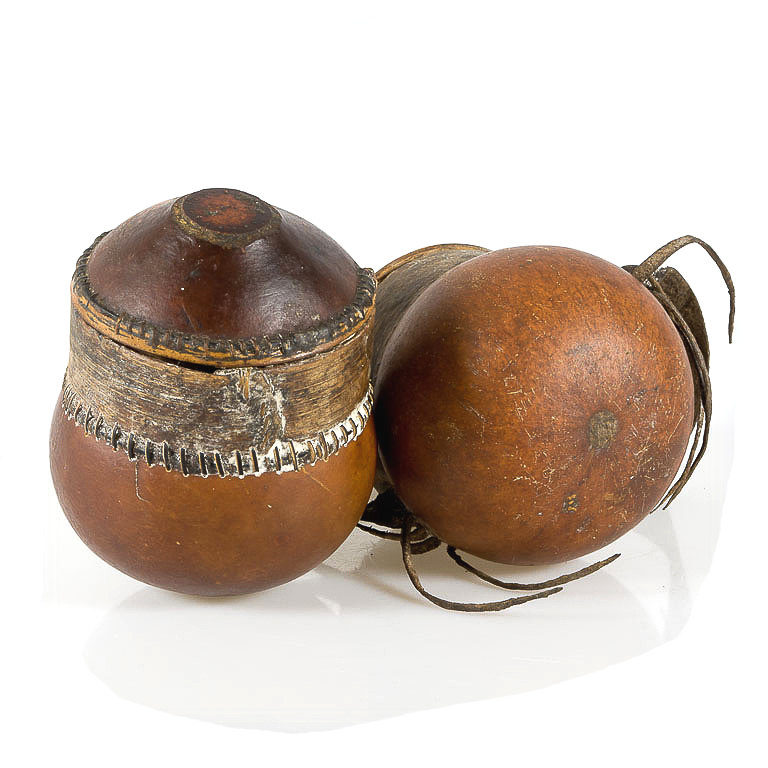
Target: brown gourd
{"type": "Point", "coordinates": [533, 404]}
{"type": "Point", "coordinates": [213, 433]}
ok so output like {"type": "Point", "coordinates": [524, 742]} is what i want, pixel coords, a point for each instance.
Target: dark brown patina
{"type": "Point", "coordinates": [225, 217]}
{"type": "Point", "coordinates": [602, 429]}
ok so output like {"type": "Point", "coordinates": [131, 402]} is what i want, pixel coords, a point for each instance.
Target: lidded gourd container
{"type": "Point", "coordinates": [213, 434]}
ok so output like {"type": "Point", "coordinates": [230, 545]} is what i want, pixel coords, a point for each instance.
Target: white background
{"type": "Point", "coordinates": [608, 127]}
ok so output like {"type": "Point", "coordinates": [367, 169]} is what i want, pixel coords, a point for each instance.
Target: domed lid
{"type": "Point", "coordinates": [219, 277]}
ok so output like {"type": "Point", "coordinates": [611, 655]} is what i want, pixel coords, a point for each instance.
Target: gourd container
{"type": "Point", "coordinates": [213, 433]}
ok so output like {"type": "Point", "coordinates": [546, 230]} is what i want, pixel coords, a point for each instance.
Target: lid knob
{"type": "Point", "coordinates": [228, 218]}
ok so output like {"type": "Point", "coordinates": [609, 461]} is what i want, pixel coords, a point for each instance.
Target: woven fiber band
{"type": "Point", "coordinates": [225, 421]}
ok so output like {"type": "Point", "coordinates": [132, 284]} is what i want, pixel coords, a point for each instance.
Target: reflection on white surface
{"type": "Point", "coordinates": [353, 642]}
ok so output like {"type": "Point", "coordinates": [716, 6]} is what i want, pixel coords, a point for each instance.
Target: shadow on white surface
{"type": "Point", "coordinates": [352, 641]}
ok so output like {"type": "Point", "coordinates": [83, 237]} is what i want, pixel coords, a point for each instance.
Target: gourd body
{"type": "Point", "coordinates": [213, 432]}
{"type": "Point", "coordinates": [532, 404]}
{"type": "Point", "coordinates": [207, 535]}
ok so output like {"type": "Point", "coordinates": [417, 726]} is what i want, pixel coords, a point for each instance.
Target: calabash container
{"type": "Point", "coordinates": [213, 433]}
{"type": "Point", "coordinates": [533, 404]}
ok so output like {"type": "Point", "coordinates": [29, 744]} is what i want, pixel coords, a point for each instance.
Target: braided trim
{"type": "Point", "coordinates": [283, 456]}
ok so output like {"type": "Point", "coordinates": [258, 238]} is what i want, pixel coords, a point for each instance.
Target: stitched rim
{"type": "Point", "coordinates": [227, 353]}
{"type": "Point", "coordinates": [393, 266]}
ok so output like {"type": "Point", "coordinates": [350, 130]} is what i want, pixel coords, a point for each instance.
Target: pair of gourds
{"type": "Point", "coordinates": [214, 433]}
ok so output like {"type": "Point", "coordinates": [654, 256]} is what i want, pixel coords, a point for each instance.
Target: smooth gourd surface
{"type": "Point", "coordinates": [208, 535]}
{"type": "Point", "coordinates": [533, 404]}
